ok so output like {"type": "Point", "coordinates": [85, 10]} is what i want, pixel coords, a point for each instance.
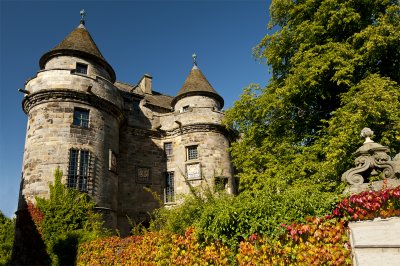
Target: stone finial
{"type": "Point", "coordinates": [367, 133]}
{"type": "Point", "coordinates": [83, 15]}
{"type": "Point", "coordinates": [372, 165]}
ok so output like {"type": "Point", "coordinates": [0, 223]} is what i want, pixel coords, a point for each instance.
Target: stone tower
{"type": "Point", "coordinates": [117, 141]}
{"type": "Point", "coordinates": [74, 115]}
{"type": "Point", "coordinates": [199, 118]}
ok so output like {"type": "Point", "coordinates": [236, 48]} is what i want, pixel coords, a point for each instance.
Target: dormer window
{"type": "Point", "coordinates": [81, 68]}
{"type": "Point", "coordinates": [185, 109]}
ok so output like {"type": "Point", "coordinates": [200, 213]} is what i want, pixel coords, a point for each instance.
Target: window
{"type": "Point", "coordinates": [81, 68]}
{"type": "Point", "coordinates": [168, 149]}
{"type": "Point", "coordinates": [81, 117]}
{"type": "Point", "coordinates": [185, 108]}
{"type": "Point", "coordinates": [220, 183]}
{"type": "Point", "coordinates": [191, 152]}
{"type": "Point", "coordinates": [112, 161]}
{"type": "Point", "coordinates": [169, 187]}
{"type": "Point", "coordinates": [78, 169]}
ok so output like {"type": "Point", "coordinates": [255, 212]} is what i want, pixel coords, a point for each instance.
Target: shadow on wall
{"type": "Point", "coordinates": [28, 248]}
{"type": "Point", "coordinates": [141, 177]}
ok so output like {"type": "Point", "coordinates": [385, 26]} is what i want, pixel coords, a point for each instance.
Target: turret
{"type": "Point", "coordinates": [202, 141]}
{"type": "Point", "coordinates": [197, 92]}
{"type": "Point", "coordinates": [74, 115]}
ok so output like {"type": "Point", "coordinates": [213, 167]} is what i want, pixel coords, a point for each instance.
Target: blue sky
{"type": "Point", "coordinates": [135, 37]}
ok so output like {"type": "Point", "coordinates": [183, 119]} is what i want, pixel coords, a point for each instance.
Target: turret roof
{"type": "Point", "coordinates": [197, 84]}
{"type": "Point", "coordinates": [79, 43]}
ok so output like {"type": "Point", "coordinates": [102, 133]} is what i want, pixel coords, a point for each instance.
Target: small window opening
{"type": "Point", "coordinates": [81, 117]}
{"type": "Point", "coordinates": [168, 149]}
{"type": "Point", "coordinates": [185, 109]}
{"type": "Point", "coordinates": [169, 187]}
{"type": "Point", "coordinates": [81, 68]}
{"type": "Point", "coordinates": [191, 153]}
{"type": "Point", "coordinates": [220, 183]}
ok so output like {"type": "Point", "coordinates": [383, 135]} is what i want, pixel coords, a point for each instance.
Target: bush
{"type": "Point", "coordinates": [370, 204]}
{"type": "Point", "coordinates": [153, 248]}
{"type": "Point", "coordinates": [220, 217]}
{"type": "Point", "coordinates": [6, 239]}
{"type": "Point", "coordinates": [64, 220]}
{"type": "Point", "coordinates": [316, 242]}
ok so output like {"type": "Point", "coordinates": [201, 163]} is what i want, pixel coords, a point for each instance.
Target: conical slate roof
{"type": "Point", "coordinates": [197, 84]}
{"type": "Point", "coordinates": [78, 43]}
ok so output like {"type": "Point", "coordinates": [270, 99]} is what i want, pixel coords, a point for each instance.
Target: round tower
{"type": "Point", "coordinates": [74, 115]}
{"type": "Point", "coordinates": [202, 141]}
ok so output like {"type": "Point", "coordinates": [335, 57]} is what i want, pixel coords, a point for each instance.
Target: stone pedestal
{"type": "Point", "coordinates": [375, 242]}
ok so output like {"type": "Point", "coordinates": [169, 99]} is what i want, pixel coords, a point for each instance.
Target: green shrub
{"type": "Point", "coordinates": [229, 219]}
{"type": "Point", "coordinates": [6, 239]}
{"type": "Point", "coordinates": [64, 220]}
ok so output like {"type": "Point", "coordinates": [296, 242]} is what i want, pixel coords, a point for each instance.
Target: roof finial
{"type": "Point", "coordinates": [194, 61]}
{"type": "Point", "coordinates": [83, 15]}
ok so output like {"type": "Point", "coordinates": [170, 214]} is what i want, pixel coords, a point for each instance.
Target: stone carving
{"type": "Point", "coordinates": [372, 165]}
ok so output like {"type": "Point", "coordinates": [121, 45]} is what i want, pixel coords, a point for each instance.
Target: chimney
{"type": "Point", "coordinates": [145, 84]}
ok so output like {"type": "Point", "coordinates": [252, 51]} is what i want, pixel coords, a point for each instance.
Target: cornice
{"type": "Point", "coordinates": [63, 95]}
{"type": "Point", "coordinates": [185, 129]}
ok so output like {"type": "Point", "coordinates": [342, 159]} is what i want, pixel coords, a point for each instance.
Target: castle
{"type": "Point", "coordinates": [113, 140]}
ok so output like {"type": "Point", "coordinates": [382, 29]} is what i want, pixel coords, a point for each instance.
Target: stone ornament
{"type": "Point", "coordinates": [372, 162]}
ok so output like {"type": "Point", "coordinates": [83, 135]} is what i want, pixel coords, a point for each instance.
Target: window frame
{"type": "Point", "coordinates": [112, 161]}
{"type": "Point", "coordinates": [79, 166]}
{"type": "Point", "coordinates": [168, 149]}
{"type": "Point", "coordinates": [185, 108]}
{"type": "Point", "coordinates": [220, 183]}
{"type": "Point", "coordinates": [190, 156]}
{"type": "Point", "coordinates": [82, 122]}
{"type": "Point", "coordinates": [81, 68]}
{"type": "Point", "coordinates": [169, 191]}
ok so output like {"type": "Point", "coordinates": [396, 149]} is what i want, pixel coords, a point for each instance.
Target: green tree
{"type": "Point", "coordinates": [6, 239]}
{"type": "Point", "coordinates": [69, 219]}
{"type": "Point", "coordinates": [335, 69]}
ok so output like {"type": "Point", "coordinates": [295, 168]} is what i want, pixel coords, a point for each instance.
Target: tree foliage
{"type": "Point", "coordinates": [6, 239]}
{"type": "Point", "coordinates": [335, 69]}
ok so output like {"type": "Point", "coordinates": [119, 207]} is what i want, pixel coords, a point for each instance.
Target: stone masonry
{"type": "Point", "coordinates": [118, 142]}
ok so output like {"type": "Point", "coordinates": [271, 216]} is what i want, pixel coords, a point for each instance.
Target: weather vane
{"type": "Point", "coordinates": [194, 59]}
{"type": "Point", "coordinates": [83, 15]}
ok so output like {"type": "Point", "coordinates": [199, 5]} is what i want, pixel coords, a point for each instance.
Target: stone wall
{"type": "Point", "coordinates": [138, 153]}
{"type": "Point", "coordinates": [197, 101]}
{"type": "Point", "coordinates": [142, 147]}
{"type": "Point", "coordinates": [375, 242]}
{"type": "Point", "coordinates": [51, 135]}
